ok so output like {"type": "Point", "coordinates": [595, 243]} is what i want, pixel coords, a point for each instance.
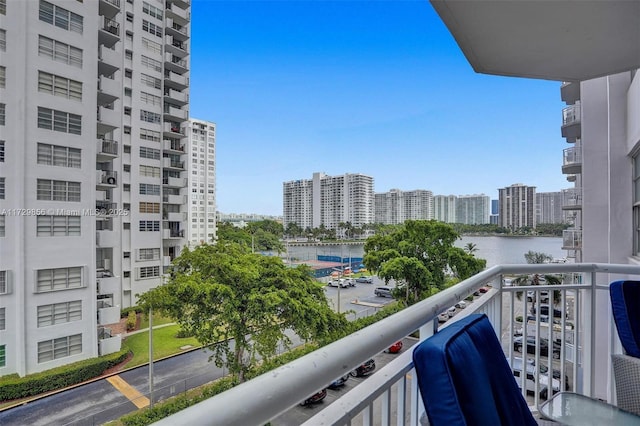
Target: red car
{"type": "Point", "coordinates": [315, 398]}
{"type": "Point", "coordinates": [395, 348]}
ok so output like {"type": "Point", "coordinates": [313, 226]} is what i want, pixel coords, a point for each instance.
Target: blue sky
{"type": "Point", "coordinates": [359, 86]}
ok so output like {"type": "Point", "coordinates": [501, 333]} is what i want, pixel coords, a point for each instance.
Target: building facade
{"type": "Point", "coordinates": [397, 206]}
{"type": "Point", "coordinates": [549, 207]}
{"type": "Point", "coordinates": [445, 208]}
{"type": "Point", "coordinates": [329, 201]}
{"type": "Point", "coordinates": [473, 209]}
{"type": "Point", "coordinates": [201, 181]}
{"type": "Point", "coordinates": [93, 98]}
{"type": "Point", "coordinates": [517, 207]}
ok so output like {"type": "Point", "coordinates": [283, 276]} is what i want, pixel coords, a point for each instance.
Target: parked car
{"type": "Point", "coordinates": [451, 311]}
{"type": "Point", "coordinates": [395, 348]}
{"type": "Point", "coordinates": [315, 398]}
{"type": "Point", "coordinates": [531, 346]}
{"type": "Point", "coordinates": [383, 291]}
{"type": "Point", "coordinates": [364, 369]}
{"type": "Point", "coordinates": [341, 282]}
{"type": "Point", "coordinates": [484, 289]}
{"type": "Point", "coordinates": [532, 377]}
{"type": "Point", "coordinates": [544, 296]}
{"type": "Point", "coordinates": [365, 280]}
{"type": "Point", "coordinates": [443, 317]}
{"type": "Point", "coordinates": [556, 374]}
{"type": "Point", "coordinates": [544, 310]}
{"type": "Point", "coordinates": [461, 304]}
{"type": "Point", "coordinates": [340, 381]}
{"type": "Point", "coordinates": [350, 282]}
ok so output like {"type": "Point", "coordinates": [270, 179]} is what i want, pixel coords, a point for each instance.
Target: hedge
{"type": "Point", "coordinates": [125, 312]}
{"type": "Point", "coordinates": [15, 387]}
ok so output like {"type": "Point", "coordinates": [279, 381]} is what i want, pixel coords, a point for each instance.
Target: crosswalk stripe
{"type": "Point", "coordinates": [129, 391]}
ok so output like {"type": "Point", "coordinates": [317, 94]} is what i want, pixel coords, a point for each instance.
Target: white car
{"type": "Point", "coordinates": [443, 317]}
{"type": "Point", "coordinates": [530, 382]}
{"type": "Point", "coordinates": [461, 304]}
{"type": "Point", "coordinates": [451, 311]}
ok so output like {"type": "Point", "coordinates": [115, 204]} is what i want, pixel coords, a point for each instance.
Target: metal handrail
{"type": "Point", "coordinates": [282, 388]}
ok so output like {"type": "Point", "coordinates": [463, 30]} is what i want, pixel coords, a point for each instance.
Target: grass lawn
{"type": "Point", "coordinates": [164, 344]}
{"type": "Point", "coordinates": [157, 320]}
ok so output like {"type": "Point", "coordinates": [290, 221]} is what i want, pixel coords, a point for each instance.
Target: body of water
{"type": "Point", "coordinates": [495, 250]}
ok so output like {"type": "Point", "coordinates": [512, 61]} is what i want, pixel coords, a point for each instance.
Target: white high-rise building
{"type": "Point", "coordinates": [201, 181]}
{"type": "Point", "coordinates": [473, 209]}
{"type": "Point", "coordinates": [517, 206]}
{"type": "Point", "coordinates": [93, 97]}
{"type": "Point", "coordinates": [397, 206]}
{"type": "Point", "coordinates": [445, 208]}
{"type": "Point", "coordinates": [329, 201]}
{"type": "Point", "coordinates": [549, 207]}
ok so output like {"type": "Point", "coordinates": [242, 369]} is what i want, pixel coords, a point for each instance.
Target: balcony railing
{"type": "Point", "coordinates": [571, 198]}
{"type": "Point", "coordinates": [111, 26]}
{"type": "Point", "coordinates": [572, 239]}
{"type": "Point", "coordinates": [574, 330]}
{"type": "Point", "coordinates": [571, 115]}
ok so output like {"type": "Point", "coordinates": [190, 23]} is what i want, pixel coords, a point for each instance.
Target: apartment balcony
{"type": "Point", "coordinates": [176, 97]}
{"type": "Point", "coordinates": [109, 8]}
{"type": "Point", "coordinates": [175, 46]}
{"type": "Point", "coordinates": [570, 92]}
{"type": "Point", "coordinates": [173, 146]}
{"type": "Point", "coordinates": [105, 208]}
{"type": "Point", "coordinates": [106, 179]}
{"type": "Point", "coordinates": [107, 314]}
{"type": "Point", "coordinates": [175, 63]}
{"type": "Point", "coordinates": [177, 31]}
{"type": "Point", "coordinates": [108, 32]}
{"type": "Point", "coordinates": [572, 160]}
{"type": "Point", "coordinates": [182, 3]}
{"type": "Point", "coordinates": [175, 216]}
{"type": "Point", "coordinates": [174, 182]}
{"type": "Point", "coordinates": [571, 178]}
{"type": "Point", "coordinates": [571, 128]}
{"type": "Point", "coordinates": [176, 81]}
{"type": "Point", "coordinates": [166, 261]}
{"type": "Point", "coordinates": [572, 239]}
{"type": "Point", "coordinates": [108, 344]}
{"type": "Point", "coordinates": [108, 61]}
{"type": "Point", "coordinates": [106, 238]}
{"type": "Point", "coordinates": [572, 199]}
{"type": "Point", "coordinates": [108, 120]}
{"type": "Point", "coordinates": [169, 163]}
{"type": "Point", "coordinates": [173, 130]}
{"type": "Point", "coordinates": [107, 150]}
{"type": "Point", "coordinates": [391, 396]}
{"type": "Point", "coordinates": [108, 90]}
{"type": "Point", "coordinates": [174, 199]}
{"type": "Point", "coordinates": [176, 13]}
{"type": "Point", "coordinates": [170, 234]}
{"type": "Point", "coordinates": [175, 113]}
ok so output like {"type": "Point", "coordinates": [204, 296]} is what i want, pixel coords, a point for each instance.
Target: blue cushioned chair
{"type": "Point", "coordinates": [625, 306]}
{"type": "Point", "coordinates": [465, 379]}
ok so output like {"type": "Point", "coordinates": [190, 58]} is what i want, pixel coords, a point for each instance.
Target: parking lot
{"type": "Point", "coordinates": [360, 299]}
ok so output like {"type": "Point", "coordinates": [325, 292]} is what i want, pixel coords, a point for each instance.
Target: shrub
{"type": "Point", "coordinates": [126, 311]}
{"type": "Point", "coordinates": [182, 334]}
{"type": "Point", "coordinates": [15, 387]}
{"type": "Point", "coordinates": [132, 320]}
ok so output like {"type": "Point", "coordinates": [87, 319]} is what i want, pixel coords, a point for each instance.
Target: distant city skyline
{"type": "Point", "coordinates": [377, 88]}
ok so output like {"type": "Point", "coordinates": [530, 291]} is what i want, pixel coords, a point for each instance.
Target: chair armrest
{"type": "Point", "coordinates": [626, 370]}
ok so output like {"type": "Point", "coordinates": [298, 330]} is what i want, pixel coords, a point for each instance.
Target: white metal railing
{"type": "Point", "coordinates": [279, 390]}
{"type": "Point", "coordinates": [571, 115]}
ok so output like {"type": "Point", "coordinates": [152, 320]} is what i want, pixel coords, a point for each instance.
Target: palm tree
{"type": "Point", "coordinates": [533, 257]}
{"type": "Point", "coordinates": [470, 248]}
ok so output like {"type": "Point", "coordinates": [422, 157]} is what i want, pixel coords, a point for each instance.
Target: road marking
{"type": "Point", "coordinates": [129, 391]}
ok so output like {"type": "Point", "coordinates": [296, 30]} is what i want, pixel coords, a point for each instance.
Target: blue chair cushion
{"type": "Point", "coordinates": [464, 377]}
{"type": "Point", "coordinates": [625, 305]}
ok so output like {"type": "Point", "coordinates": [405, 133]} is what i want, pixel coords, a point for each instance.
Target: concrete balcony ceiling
{"type": "Point", "coordinates": [551, 40]}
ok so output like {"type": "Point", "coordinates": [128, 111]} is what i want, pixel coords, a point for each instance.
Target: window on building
{"type": "Point", "coordinates": [149, 207]}
{"type": "Point", "coordinates": [127, 110]}
{"type": "Point", "coordinates": [151, 28]}
{"type": "Point", "coordinates": [126, 187]}
{"type": "Point", "coordinates": [2, 222]}
{"type": "Point", "coordinates": [127, 131]}
{"type": "Point", "coordinates": [3, 7]}
{"type": "Point", "coordinates": [151, 63]}
{"type": "Point", "coordinates": [62, 156]}
{"type": "Point", "coordinates": [3, 355]}
{"type": "Point", "coordinates": [151, 153]}
{"type": "Point", "coordinates": [58, 226]}
{"type": "Point", "coordinates": [3, 40]}
{"type": "Point", "coordinates": [1, 151]}
{"type": "Point", "coordinates": [127, 92]}
{"type": "Point", "coordinates": [126, 274]}
{"type": "Point", "coordinates": [128, 73]}
{"type": "Point", "coordinates": [129, 19]}
{"type": "Point", "coordinates": [150, 81]}
{"type": "Point", "coordinates": [2, 190]}
{"type": "Point", "coordinates": [126, 168]}
{"type": "Point", "coordinates": [128, 54]}
{"type": "Point", "coordinates": [3, 324]}
{"type": "Point", "coordinates": [59, 121]}
{"type": "Point", "coordinates": [149, 171]}
{"type": "Point", "coordinates": [145, 254]}
{"type": "Point", "coordinates": [150, 99]}
{"type": "Point", "coordinates": [4, 284]}
{"type": "Point", "coordinates": [3, 77]}
{"type": "Point", "coordinates": [149, 189]}
{"type": "Point", "coordinates": [2, 114]}
{"type": "Point", "coordinates": [149, 226]}
{"type": "Point", "coordinates": [61, 18]}
{"type": "Point", "coordinates": [151, 45]}
{"type": "Point", "coordinates": [128, 35]}
{"type": "Point", "coordinates": [59, 86]}
{"type": "Point", "coordinates": [60, 52]}
{"type": "Point", "coordinates": [149, 135]}
{"type": "Point", "coordinates": [126, 254]}
{"type": "Point", "coordinates": [152, 10]}
{"type": "Point", "coordinates": [126, 225]}
{"type": "Point", "coordinates": [62, 347]}
{"type": "Point", "coordinates": [148, 272]}
{"type": "Point", "coordinates": [58, 190]}
{"type": "Point", "coordinates": [59, 313]}
{"type": "Point", "coordinates": [150, 117]}
{"type": "Point", "coordinates": [126, 149]}
{"type": "Point", "coordinates": [58, 279]}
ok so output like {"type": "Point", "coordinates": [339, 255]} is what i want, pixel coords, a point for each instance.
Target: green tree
{"type": "Point", "coordinates": [470, 248]}
{"type": "Point", "coordinates": [222, 292]}
{"type": "Point", "coordinates": [419, 255]}
{"type": "Point", "coordinates": [293, 230]}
